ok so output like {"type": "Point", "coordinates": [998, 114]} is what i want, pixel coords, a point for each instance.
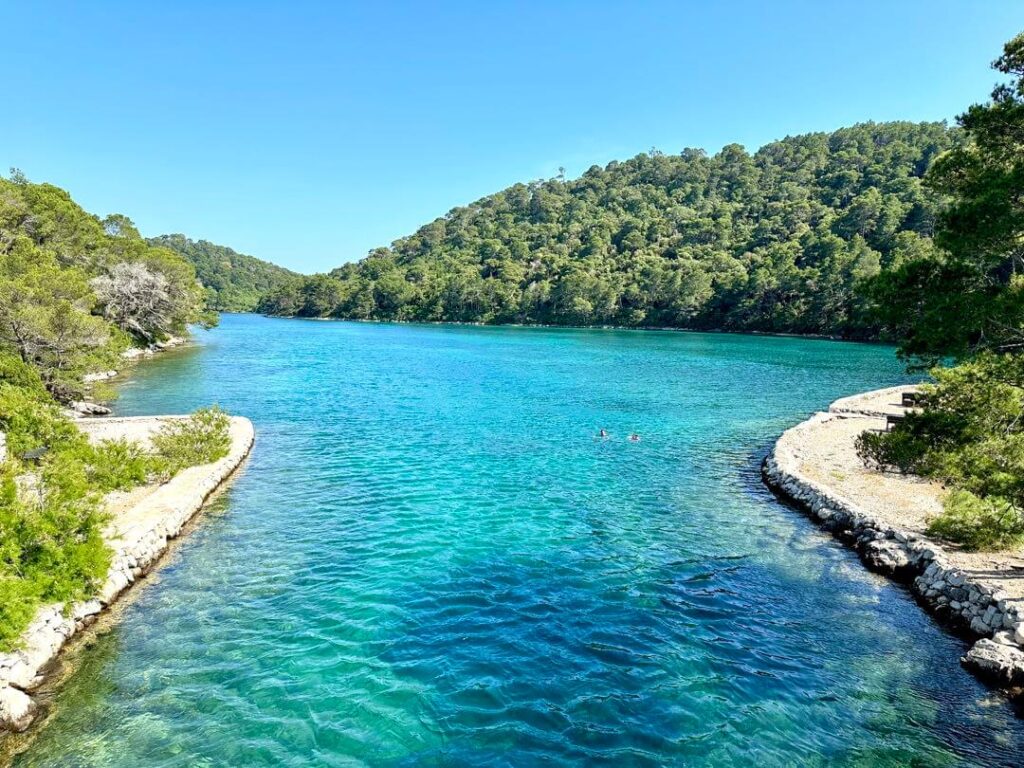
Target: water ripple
{"type": "Point", "coordinates": [430, 560]}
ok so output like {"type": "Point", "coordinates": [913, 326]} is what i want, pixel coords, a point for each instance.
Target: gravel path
{"type": "Point", "coordinates": [826, 452]}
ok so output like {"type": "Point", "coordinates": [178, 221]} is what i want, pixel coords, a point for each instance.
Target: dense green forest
{"type": "Point", "coordinates": [233, 281]}
{"type": "Point", "coordinates": [780, 240]}
{"type": "Point", "coordinates": [76, 289]}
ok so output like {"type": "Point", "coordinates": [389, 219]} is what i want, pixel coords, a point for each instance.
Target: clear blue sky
{"type": "Point", "coordinates": [308, 133]}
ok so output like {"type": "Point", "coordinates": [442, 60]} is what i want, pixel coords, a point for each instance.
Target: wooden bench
{"type": "Point", "coordinates": [892, 419]}
{"type": "Point", "coordinates": [911, 399]}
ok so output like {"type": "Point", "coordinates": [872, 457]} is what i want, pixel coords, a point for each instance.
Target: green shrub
{"type": "Point", "coordinates": [18, 596]}
{"type": "Point", "coordinates": [119, 465]}
{"type": "Point", "coordinates": [51, 544]}
{"type": "Point", "coordinates": [113, 465]}
{"type": "Point", "coordinates": [900, 450]}
{"type": "Point", "coordinates": [979, 523]}
{"type": "Point", "coordinates": [202, 438]}
{"type": "Point", "coordinates": [19, 374]}
{"type": "Point", "coordinates": [969, 435]}
{"type": "Point", "coordinates": [32, 419]}
{"type": "Point", "coordinates": [19, 599]}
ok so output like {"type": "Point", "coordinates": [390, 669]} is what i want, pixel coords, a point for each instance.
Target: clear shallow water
{"type": "Point", "coordinates": [429, 560]}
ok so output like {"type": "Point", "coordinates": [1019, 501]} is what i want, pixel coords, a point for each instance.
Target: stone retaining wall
{"type": "Point", "coordinates": [145, 535]}
{"type": "Point", "coordinates": [978, 609]}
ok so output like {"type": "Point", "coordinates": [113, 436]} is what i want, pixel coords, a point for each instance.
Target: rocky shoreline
{"type": "Point", "coordinates": [85, 408]}
{"type": "Point", "coordinates": [139, 533]}
{"type": "Point", "coordinates": [814, 466]}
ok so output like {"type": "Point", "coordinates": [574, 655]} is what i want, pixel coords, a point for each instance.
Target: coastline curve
{"type": "Point", "coordinates": [138, 534]}
{"type": "Point", "coordinates": [883, 517]}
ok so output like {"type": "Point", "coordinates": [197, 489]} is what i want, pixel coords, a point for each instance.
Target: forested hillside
{"type": "Point", "coordinates": [779, 240]}
{"type": "Point", "coordinates": [234, 282]}
{"type": "Point", "coordinates": [76, 289]}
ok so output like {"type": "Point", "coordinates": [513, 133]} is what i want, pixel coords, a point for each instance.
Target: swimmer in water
{"type": "Point", "coordinates": [634, 438]}
{"type": "Point", "coordinates": [603, 434]}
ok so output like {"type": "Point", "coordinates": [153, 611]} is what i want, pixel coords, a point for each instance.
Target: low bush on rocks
{"type": "Point", "coordinates": [976, 523]}
{"type": "Point", "coordinates": [119, 465]}
{"type": "Point", "coordinates": [200, 439]}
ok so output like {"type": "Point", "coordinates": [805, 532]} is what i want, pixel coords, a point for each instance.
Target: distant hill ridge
{"type": "Point", "coordinates": [234, 282]}
{"type": "Point", "coordinates": [779, 240]}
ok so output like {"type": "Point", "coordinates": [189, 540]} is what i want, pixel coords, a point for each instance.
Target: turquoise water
{"type": "Point", "coordinates": [429, 560]}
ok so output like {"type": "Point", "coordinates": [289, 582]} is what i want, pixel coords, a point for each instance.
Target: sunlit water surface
{"type": "Point", "coordinates": [430, 560]}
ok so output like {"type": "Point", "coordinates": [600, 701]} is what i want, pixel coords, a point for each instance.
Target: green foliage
{"type": "Point", "coordinates": [45, 318]}
{"type": "Point", "coordinates": [233, 281]}
{"type": "Point", "coordinates": [979, 523]}
{"type": "Point", "coordinates": [114, 465]}
{"type": "Point", "coordinates": [900, 450]}
{"type": "Point", "coordinates": [970, 295]}
{"type": "Point", "coordinates": [970, 436]}
{"type": "Point", "coordinates": [202, 438]}
{"type": "Point", "coordinates": [780, 240]}
{"type": "Point", "coordinates": [53, 258]}
{"type": "Point", "coordinates": [16, 373]}
{"type": "Point", "coordinates": [31, 420]}
{"type": "Point", "coordinates": [51, 545]}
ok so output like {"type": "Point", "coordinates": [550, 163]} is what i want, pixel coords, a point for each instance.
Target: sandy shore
{"type": "Point", "coordinates": [885, 517]}
{"type": "Point", "coordinates": [142, 524]}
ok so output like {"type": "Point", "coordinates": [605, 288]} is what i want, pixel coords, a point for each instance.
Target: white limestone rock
{"type": "Point", "coordinates": [85, 408]}
{"type": "Point", "coordinates": [90, 378]}
{"type": "Point", "coordinates": [997, 661]}
{"type": "Point", "coordinates": [17, 710]}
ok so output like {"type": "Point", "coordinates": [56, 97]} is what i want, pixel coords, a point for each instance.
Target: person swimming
{"type": "Point", "coordinates": [603, 434]}
{"type": "Point", "coordinates": [634, 438]}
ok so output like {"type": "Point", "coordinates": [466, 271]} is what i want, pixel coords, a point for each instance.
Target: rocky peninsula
{"type": "Point", "coordinates": [884, 517]}
{"type": "Point", "coordinates": [142, 524]}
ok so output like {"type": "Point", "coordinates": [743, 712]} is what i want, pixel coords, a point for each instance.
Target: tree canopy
{"type": "Point", "coordinates": [233, 281]}
{"type": "Point", "coordinates": [969, 296]}
{"type": "Point", "coordinates": [779, 240]}
{"type": "Point", "coordinates": [966, 301]}
{"type": "Point", "coordinates": [71, 285]}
